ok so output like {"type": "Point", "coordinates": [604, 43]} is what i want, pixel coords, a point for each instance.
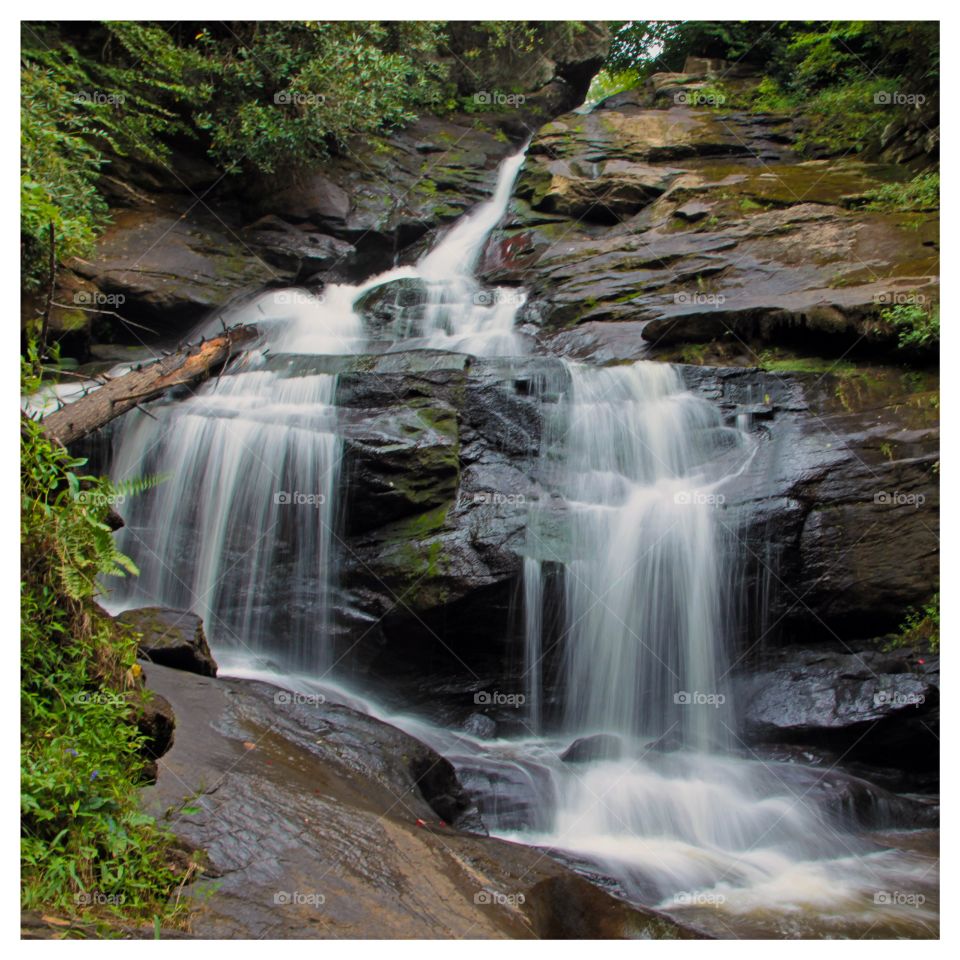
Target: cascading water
{"type": "Point", "coordinates": [255, 451]}
{"type": "Point", "coordinates": [244, 532]}
{"type": "Point", "coordinates": [643, 597]}
{"type": "Point", "coordinates": [255, 454]}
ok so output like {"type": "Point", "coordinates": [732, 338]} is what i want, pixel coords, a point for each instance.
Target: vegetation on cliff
{"type": "Point", "coordinates": [847, 79]}
{"type": "Point", "coordinates": [257, 96]}
{"type": "Point", "coordinates": [87, 849]}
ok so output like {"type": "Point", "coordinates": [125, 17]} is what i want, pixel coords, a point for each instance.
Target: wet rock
{"type": "Point", "coordinates": [609, 191]}
{"type": "Point", "coordinates": [156, 723]}
{"type": "Point", "coordinates": [869, 705]}
{"type": "Point", "coordinates": [167, 269]}
{"type": "Point", "coordinates": [299, 251]}
{"type": "Point", "coordinates": [173, 638]}
{"type": "Point", "coordinates": [480, 725]}
{"type": "Point", "coordinates": [836, 515]}
{"type": "Point", "coordinates": [386, 305]}
{"type": "Point", "coordinates": [853, 803]}
{"type": "Point", "coordinates": [314, 827]}
{"type": "Point", "coordinates": [600, 746]}
{"type": "Point", "coordinates": [400, 462]}
{"type": "Point", "coordinates": [442, 453]}
{"type": "Point", "coordinates": [695, 225]}
{"type": "Point", "coordinates": [570, 908]}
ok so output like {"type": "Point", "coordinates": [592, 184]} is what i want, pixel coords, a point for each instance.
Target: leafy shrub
{"type": "Point", "coordinates": [85, 844]}
{"type": "Point", "coordinates": [920, 193]}
{"type": "Point", "coordinates": [918, 327]}
{"type": "Point", "coordinates": [920, 627]}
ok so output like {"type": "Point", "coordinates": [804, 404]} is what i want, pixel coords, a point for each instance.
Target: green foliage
{"type": "Point", "coordinates": [86, 847]}
{"type": "Point", "coordinates": [608, 82]}
{"type": "Point", "coordinates": [75, 109]}
{"type": "Point", "coordinates": [920, 627]}
{"type": "Point", "coordinates": [650, 45]}
{"type": "Point", "coordinates": [262, 96]}
{"type": "Point", "coordinates": [921, 193]}
{"type": "Point", "coordinates": [831, 73]}
{"type": "Point", "coordinates": [770, 97]}
{"type": "Point", "coordinates": [58, 177]}
{"type": "Point", "coordinates": [287, 93]}
{"type": "Point", "coordinates": [918, 327]}
{"type": "Point", "coordinates": [845, 118]}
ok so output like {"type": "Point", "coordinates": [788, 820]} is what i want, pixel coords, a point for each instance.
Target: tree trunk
{"type": "Point", "coordinates": [143, 383]}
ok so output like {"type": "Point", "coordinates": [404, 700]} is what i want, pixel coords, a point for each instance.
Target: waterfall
{"type": "Point", "coordinates": [629, 592]}
{"type": "Point", "coordinates": [455, 312]}
{"type": "Point", "coordinates": [533, 641]}
{"type": "Point", "coordinates": [243, 530]}
{"type": "Point", "coordinates": [255, 455]}
{"type": "Point", "coordinates": [644, 629]}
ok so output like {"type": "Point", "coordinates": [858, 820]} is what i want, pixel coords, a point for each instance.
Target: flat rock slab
{"type": "Point", "coordinates": [314, 827]}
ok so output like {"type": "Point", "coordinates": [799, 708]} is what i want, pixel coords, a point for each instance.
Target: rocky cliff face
{"type": "Point", "coordinates": [656, 226]}
{"type": "Point", "coordinates": [657, 219]}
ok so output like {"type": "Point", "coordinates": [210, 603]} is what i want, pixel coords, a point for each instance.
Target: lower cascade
{"type": "Point", "coordinates": [624, 760]}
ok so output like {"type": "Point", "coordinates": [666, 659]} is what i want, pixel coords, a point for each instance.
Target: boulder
{"type": "Point", "coordinates": [155, 723]}
{"type": "Point", "coordinates": [168, 269]}
{"type": "Point", "coordinates": [600, 746]}
{"type": "Point", "coordinates": [877, 706]}
{"type": "Point", "coordinates": [174, 638]}
{"type": "Point", "coordinates": [480, 725]}
{"type": "Point", "coordinates": [314, 826]}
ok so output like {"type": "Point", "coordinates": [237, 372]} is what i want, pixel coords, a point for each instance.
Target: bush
{"type": "Point", "coordinates": [919, 194]}
{"type": "Point", "coordinates": [917, 326]}
{"type": "Point", "coordinates": [260, 96]}
{"type": "Point", "coordinates": [920, 627]}
{"type": "Point", "coordinates": [86, 846]}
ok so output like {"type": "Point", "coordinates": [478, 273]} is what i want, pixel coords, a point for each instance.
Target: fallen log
{"type": "Point", "coordinates": [145, 382]}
